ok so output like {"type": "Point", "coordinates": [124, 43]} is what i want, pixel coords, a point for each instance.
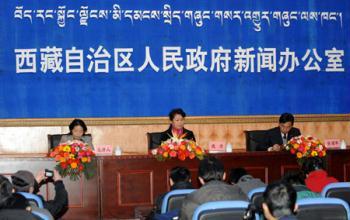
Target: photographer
{"type": "Point", "coordinates": [24, 181]}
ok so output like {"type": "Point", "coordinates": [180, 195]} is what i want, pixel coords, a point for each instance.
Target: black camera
{"type": "Point", "coordinates": [48, 173]}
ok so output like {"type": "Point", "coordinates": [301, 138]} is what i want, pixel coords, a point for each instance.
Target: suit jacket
{"type": "Point", "coordinates": [168, 134]}
{"type": "Point", "coordinates": [274, 136]}
{"type": "Point", "coordinates": [86, 139]}
{"type": "Point", "coordinates": [211, 191]}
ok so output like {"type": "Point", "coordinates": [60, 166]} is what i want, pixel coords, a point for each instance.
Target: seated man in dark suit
{"type": "Point", "coordinates": [280, 135]}
{"type": "Point", "coordinates": [211, 175]}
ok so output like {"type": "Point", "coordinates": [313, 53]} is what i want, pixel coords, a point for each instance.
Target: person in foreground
{"type": "Point", "coordinates": [77, 131]}
{"type": "Point", "coordinates": [211, 175]}
{"type": "Point", "coordinates": [316, 176]}
{"type": "Point", "coordinates": [176, 129]}
{"type": "Point", "coordinates": [24, 181]}
{"type": "Point", "coordinates": [279, 202]}
{"type": "Point", "coordinates": [279, 136]}
{"type": "Point", "coordinates": [13, 205]}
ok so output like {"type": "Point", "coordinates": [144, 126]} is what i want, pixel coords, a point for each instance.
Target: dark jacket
{"type": "Point", "coordinates": [274, 136]}
{"type": "Point", "coordinates": [168, 134]}
{"type": "Point", "coordinates": [17, 214]}
{"type": "Point", "coordinates": [211, 191]}
{"type": "Point", "coordinates": [59, 205]}
{"type": "Point", "coordinates": [16, 201]}
{"type": "Point", "coordinates": [178, 185]}
{"type": "Point", "coordinates": [248, 183]}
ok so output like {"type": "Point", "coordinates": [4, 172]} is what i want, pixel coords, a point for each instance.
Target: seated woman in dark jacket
{"type": "Point", "coordinates": [176, 128]}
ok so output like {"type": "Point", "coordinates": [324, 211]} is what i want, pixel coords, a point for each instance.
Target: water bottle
{"type": "Point", "coordinates": [228, 148]}
{"type": "Point", "coordinates": [342, 145]}
{"type": "Point", "coordinates": [118, 151]}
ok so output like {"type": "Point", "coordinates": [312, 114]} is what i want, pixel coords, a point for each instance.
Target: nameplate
{"type": "Point", "coordinates": [104, 150]}
{"type": "Point", "coordinates": [217, 147]}
{"type": "Point", "coordinates": [332, 143]}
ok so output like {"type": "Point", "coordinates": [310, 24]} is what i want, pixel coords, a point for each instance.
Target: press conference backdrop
{"type": "Point", "coordinates": [113, 58]}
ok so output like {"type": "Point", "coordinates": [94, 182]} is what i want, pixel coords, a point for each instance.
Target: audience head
{"type": "Point", "coordinates": [5, 191]}
{"type": "Point", "coordinates": [279, 200]}
{"type": "Point", "coordinates": [23, 181]}
{"type": "Point", "coordinates": [210, 169]}
{"type": "Point", "coordinates": [177, 118]}
{"type": "Point", "coordinates": [294, 178]}
{"type": "Point", "coordinates": [286, 122]}
{"type": "Point", "coordinates": [77, 128]}
{"type": "Point", "coordinates": [236, 174]}
{"type": "Point", "coordinates": [9, 200]}
{"type": "Point", "coordinates": [179, 174]}
{"type": "Point", "coordinates": [312, 164]}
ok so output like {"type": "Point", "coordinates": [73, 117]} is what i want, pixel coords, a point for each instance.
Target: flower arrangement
{"type": "Point", "coordinates": [74, 158]}
{"type": "Point", "coordinates": [304, 147]}
{"type": "Point", "coordinates": [178, 147]}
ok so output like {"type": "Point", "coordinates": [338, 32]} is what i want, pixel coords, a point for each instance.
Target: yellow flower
{"type": "Point", "coordinates": [62, 159]}
{"type": "Point", "coordinates": [66, 148]}
{"type": "Point", "coordinates": [295, 146]}
{"type": "Point", "coordinates": [314, 153]}
{"type": "Point", "coordinates": [84, 159]}
{"type": "Point", "coordinates": [299, 155]}
{"type": "Point", "coordinates": [71, 156]}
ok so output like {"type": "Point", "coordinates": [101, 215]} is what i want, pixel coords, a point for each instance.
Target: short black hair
{"type": "Point", "coordinates": [286, 117]}
{"type": "Point", "coordinates": [236, 174]}
{"type": "Point", "coordinates": [77, 122]}
{"type": "Point", "coordinates": [294, 178]}
{"type": "Point", "coordinates": [211, 168]}
{"type": "Point", "coordinates": [280, 198]}
{"type": "Point", "coordinates": [313, 163]}
{"type": "Point", "coordinates": [176, 111]}
{"type": "Point", "coordinates": [180, 174]}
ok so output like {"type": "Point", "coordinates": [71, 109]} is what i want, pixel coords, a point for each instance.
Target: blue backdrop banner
{"type": "Point", "coordinates": [110, 58]}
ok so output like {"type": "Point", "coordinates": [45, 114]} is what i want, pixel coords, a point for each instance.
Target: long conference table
{"type": "Point", "coordinates": [125, 186]}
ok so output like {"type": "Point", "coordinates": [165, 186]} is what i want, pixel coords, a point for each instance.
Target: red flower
{"type": "Point", "coordinates": [64, 165]}
{"type": "Point", "coordinates": [172, 153]}
{"type": "Point", "coordinates": [182, 156]}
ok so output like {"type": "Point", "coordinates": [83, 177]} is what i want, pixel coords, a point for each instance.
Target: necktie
{"type": "Point", "coordinates": [284, 139]}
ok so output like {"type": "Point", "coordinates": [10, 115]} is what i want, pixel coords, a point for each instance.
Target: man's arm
{"type": "Point", "coordinates": [59, 204]}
